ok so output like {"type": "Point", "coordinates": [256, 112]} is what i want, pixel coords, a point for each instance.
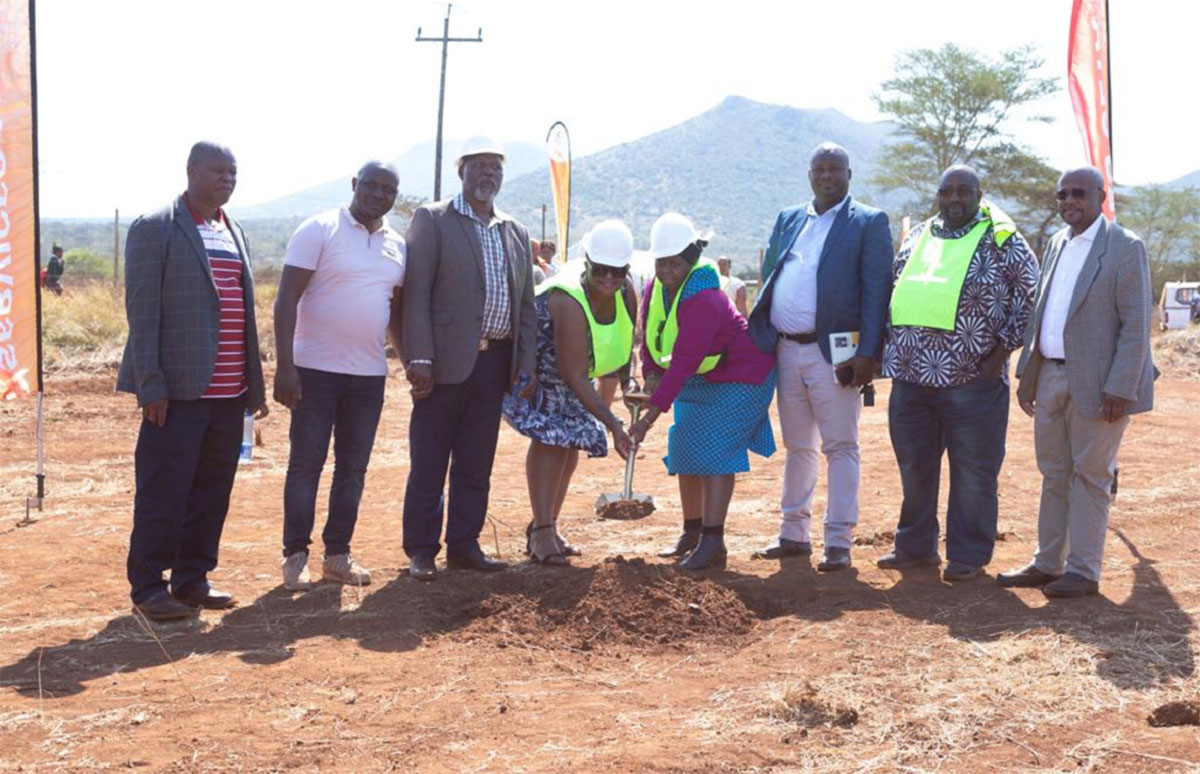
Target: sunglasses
{"type": "Point", "coordinates": [1063, 194]}
{"type": "Point", "coordinates": [600, 270]}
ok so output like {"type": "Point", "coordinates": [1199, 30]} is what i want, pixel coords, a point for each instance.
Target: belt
{"type": "Point", "coordinates": [1062, 361]}
{"type": "Point", "coordinates": [799, 338]}
{"type": "Point", "coordinates": [486, 344]}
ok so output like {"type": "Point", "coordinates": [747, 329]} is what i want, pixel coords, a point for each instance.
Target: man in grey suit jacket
{"type": "Point", "coordinates": [1085, 368]}
{"type": "Point", "coordinates": [469, 335]}
{"type": "Point", "coordinates": [192, 361]}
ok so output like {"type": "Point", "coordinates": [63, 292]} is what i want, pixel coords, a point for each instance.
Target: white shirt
{"type": "Point", "coordinates": [732, 286]}
{"type": "Point", "coordinates": [794, 303]}
{"type": "Point", "coordinates": [341, 321]}
{"type": "Point", "coordinates": [1060, 290]}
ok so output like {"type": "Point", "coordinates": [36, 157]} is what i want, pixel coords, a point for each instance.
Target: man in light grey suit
{"type": "Point", "coordinates": [1085, 368]}
{"type": "Point", "coordinates": [192, 361]}
{"type": "Point", "coordinates": [469, 335]}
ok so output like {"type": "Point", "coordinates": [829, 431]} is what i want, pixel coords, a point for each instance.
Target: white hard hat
{"type": "Point", "coordinates": [671, 234]}
{"type": "Point", "coordinates": [609, 243]}
{"type": "Point", "coordinates": [476, 146]}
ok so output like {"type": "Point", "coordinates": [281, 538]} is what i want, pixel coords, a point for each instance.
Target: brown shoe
{"type": "Point", "coordinates": [1027, 577]}
{"type": "Point", "coordinates": [1071, 585]}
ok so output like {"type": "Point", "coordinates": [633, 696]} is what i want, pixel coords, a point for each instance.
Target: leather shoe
{"type": "Point", "coordinates": [709, 554]}
{"type": "Point", "coordinates": [956, 572]}
{"type": "Point", "coordinates": [684, 544]}
{"type": "Point", "coordinates": [161, 606]}
{"type": "Point", "coordinates": [479, 562]}
{"type": "Point", "coordinates": [900, 560]}
{"type": "Point", "coordinates": [835, 559]}
{"type": "Point", "coordinates": [423, 568]}
{"type": "Point", "coordinates": [782, 548]}
{"type": "Point", "coordinates": [1027, 577]}
{"type": "Point", "coordinates": [205, 596]}
{"type": "Point", "coordinates": [1071, 585]}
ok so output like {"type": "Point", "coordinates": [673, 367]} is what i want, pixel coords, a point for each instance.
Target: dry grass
{"type": "Point", "coordinates": [1178, 352]}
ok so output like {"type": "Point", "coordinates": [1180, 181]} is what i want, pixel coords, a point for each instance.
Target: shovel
{"type": "Point", "coordinates": [626, 505]}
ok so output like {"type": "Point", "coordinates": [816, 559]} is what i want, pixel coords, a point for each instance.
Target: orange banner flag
{"type": "Point", "coordinates": [18, 260]}
{"type": "Point", "coordinates": [1087, 80]}
{"type": "Point", "coordinates": [558, 143]}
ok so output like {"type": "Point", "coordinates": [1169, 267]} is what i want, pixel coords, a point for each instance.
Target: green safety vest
{"type": "Point", "coordinates": [662, 326]}
{"type": "Point", "coordinates": [928, 290]}
{"type": "Point", "coordinates": [612, 343]}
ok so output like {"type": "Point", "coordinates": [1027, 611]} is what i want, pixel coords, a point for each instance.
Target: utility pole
{"type": "Point", "coordinates": [445, 40]}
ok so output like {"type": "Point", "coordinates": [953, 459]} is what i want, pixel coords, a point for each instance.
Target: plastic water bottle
{"type": "Point", "coordinates": [247, 439]}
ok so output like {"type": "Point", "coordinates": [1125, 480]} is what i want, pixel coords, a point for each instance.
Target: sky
{"type": "Point", "coordinates": [304, 91]}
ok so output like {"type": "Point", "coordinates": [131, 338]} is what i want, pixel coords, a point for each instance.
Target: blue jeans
{"type": "Point", "coordinates": [969, 423]}
{"type": "Point", "coordinates": [348, 407]}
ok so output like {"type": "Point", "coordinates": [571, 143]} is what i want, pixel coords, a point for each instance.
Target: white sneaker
{"type": "Point", "coordinates": [342, 568]}
{"type": "Point", "coordinates": [295, 572]}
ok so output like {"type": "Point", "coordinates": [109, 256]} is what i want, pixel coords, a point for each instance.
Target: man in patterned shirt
{"type": "Point", "coordinates": [192, 360]}
{"type": "Point", "coordinates": [469, 335]}
{"type": "Point", "coordinates": [963, 292]}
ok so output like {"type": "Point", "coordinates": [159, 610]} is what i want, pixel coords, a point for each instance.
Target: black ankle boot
{"type": "Point", "coordinates": [709, 554]}
{"type": "Point", "coordinates": [686, 541]}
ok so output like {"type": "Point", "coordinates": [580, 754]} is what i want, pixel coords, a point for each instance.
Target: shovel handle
{"type": "Point", "coordinates": [627, 492]}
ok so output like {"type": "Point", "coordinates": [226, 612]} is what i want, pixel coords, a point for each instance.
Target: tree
{"type": "Point", "coordinates": [952, 106]}
{"type": "Point", "coordinates": [1168, 221]}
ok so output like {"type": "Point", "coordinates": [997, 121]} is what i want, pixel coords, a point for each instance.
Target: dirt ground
{"type": "Point", "coordinates": [618, 663]}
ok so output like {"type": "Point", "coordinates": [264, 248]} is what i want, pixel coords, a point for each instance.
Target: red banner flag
{"type": "Point", "coordinates": [558, 144]}
{"type": "Point", "coordinates": [1087, 80]}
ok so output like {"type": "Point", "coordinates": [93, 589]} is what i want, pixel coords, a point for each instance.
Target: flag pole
{"type": "Point", "coordinates": [1108, 78]}
{"type": "Point", "coordinates": [36, 502]}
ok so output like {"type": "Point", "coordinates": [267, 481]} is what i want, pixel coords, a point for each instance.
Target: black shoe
{"type": "Point", "coordinates": [205, 596]}
{"type": "Point", "coordinates": [957, 572]}
{"type": "Point", "coordinates": [1071, 585]}
{"type": "Point", "coordinates": [899, 560]}
{"type": "Point", "coordinates": [423, 568]}
{"type": "Point", "coordinates": [478, 562]}
{"type": "Point", "coordinates": [835, 559]}
{"type": "Point", "coordinates": [161, 606]}
{"type": "Point", "coordinates": [783, 548]}
{"type": "Point", "coordinates": [684, 544]}
{"type": "Point", "coordinates": [1027, 577]}
{"type": "Point", "coordinates": [709, 554]}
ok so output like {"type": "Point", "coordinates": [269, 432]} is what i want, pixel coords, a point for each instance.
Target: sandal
{"type": "Point", "coordinates": [564, 547]}
{"type": "Point", "coordinates": [554, 557]}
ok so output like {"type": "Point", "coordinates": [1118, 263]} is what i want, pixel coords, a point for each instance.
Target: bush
{"type": "Point", "coordinates": [83, 264]}
{"type": "Point", "coordinates": [84, 328]}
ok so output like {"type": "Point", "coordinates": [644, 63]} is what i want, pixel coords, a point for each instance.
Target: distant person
{"type": "Point", "coordinates": [470, 335]}
{"type": "Point", "coordinates": [1085, 369]}
{"type": "Point", "coordinates": [52, 279]}
{"type": "Point", "coordinates": [827, 270]}
{"type": "Point", "coordinates": [338, 298]}
{"type": "Point", "coordinates": [547, 251]}
{"type": "Point", "coordinates": [733, 286]}
{"type": "Point", "coordinates": [585, 330]}
{"type": "Point", "coordinates": [192, 360]}
{"type": "Point", "coordinates": [963, 294]}
{"type": "Point", "coordinates": [699, 362]}
{"type": "Point", "coordinates": [539, 268]}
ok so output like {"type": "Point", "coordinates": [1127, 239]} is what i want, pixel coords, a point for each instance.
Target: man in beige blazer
{"type": "Point", "coordinates": [469, 336]}
{"type": "Point", "coordinates": [1085, 368]}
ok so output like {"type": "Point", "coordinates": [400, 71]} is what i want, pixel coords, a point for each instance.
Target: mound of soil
{"type": "Point", "coordinates": [625, 510]}
{"type": "Point", "coordinates": [1176, 713]}
{"type": "Point", "coordinates": [619, 603]}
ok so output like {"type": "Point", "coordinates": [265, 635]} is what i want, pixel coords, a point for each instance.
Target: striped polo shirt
{"type": "Point", "coordinates": [229, 375]}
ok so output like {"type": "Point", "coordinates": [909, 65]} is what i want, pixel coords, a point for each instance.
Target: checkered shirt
{"type": "Point", "coordinates": [497, 311]}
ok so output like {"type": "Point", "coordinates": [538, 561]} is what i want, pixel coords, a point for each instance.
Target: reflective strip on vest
{"type": "Point", "coordinates": [662, 327]}
{"type": "Point", "coordinates": [612, 343]}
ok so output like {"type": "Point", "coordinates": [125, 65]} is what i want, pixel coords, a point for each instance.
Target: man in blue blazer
{"type": "Point", "coordinates": [827, 271]}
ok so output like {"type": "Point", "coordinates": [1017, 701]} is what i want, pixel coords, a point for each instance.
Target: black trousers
{"type": "Point", "coordinates": [455, 428]}
{"type": "Point", "coordinates": [184, 472]}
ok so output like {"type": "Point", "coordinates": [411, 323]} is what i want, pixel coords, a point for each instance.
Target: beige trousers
{"type": "Point", "coordinates": [1077, 457]}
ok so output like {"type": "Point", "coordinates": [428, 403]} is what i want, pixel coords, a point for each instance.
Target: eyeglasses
{"type": "Point", "coordinates": [600, 270]}
{"type": "Point", "coordinates": [1063, 194]}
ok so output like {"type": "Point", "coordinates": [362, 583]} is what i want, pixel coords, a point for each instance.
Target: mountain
{"type": "Point", "coordinates": [730, 169]}
{"type": "Point", "coordinates": [415, 167]}
{"type": "Point", "coordinates": [1191, 180]}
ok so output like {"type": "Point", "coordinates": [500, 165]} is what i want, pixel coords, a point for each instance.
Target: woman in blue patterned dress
{"type": "Point", "coordinates": [697, 355]}
{"type": "Point", "coordinates": [585, 330]}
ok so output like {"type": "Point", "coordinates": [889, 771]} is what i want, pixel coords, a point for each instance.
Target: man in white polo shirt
{"type": "Point", "coordinates": [338, 298]}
